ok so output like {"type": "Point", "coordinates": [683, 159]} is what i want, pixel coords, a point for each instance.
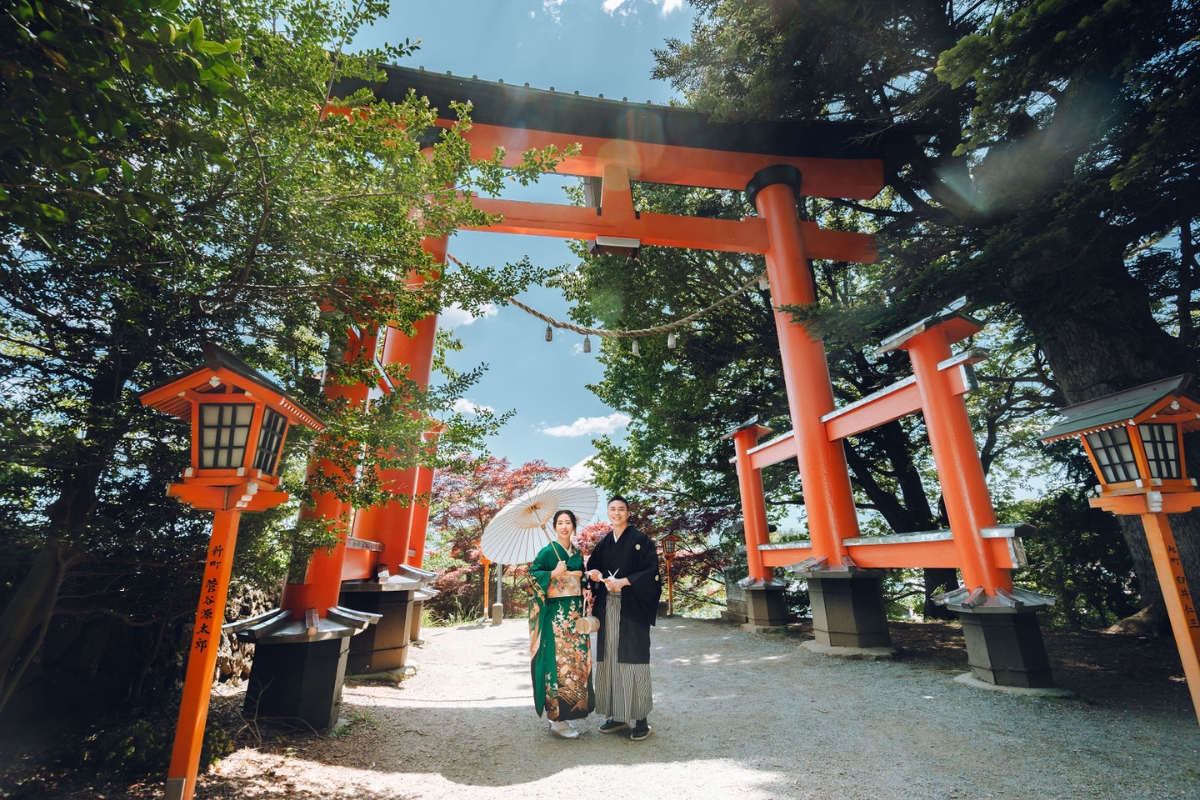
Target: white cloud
{"type": "Point", "coordinates": [464, 406]}
{"type": "Point", "coordinates": [454, 315]}
{"type": "Point", "coordinates": [624, 8]}
{"type": "Point", "coordinates": [590, 426]}
{"type": "Point", "coordinates": [582, 471]}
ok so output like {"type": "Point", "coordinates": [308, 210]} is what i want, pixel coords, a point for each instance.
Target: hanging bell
{"type": "Point", "coordinates": [671, 340]}
{"type": "Point", "coordinates": [549, 333]}
{"type": "Point", "coordinates": [635, 347]}
{"type": "Point", "coordinates": [763, 283]}
{"type": "Point", "coordinates": [587, 344]}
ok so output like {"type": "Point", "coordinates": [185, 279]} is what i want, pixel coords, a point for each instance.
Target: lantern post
{"type": "Point", "coordinates": [239, 420]}
{"type": "Point", "coordinates": [1134, 440]}
{"type": "Point", "coordinates": [487, 562]}
{"type": "Point", "coordinates": [669, 544]}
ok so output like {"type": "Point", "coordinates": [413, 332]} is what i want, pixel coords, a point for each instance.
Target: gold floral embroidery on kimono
{"type": "Point", "coordinates": [560, 659]}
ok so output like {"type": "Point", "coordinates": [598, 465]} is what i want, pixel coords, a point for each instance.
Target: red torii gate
{"type": "Point", "coordinates": [775, 162]}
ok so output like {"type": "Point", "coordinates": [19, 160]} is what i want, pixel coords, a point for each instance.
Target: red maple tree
{"type": "Point", "coordinates": [463, 501]}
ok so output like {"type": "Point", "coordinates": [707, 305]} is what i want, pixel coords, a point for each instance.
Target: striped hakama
{"type": "Point", "coordinates": [622, 690]}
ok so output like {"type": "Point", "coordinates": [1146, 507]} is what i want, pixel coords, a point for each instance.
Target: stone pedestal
{"type": "Point", "coordinates": [418, 607]}
{"type": "Point", "coordinates": [497, 613]}
{"type": "Point", "coordinates": [1006, 649]}
{"type": "Point", "coordinates": [298, 681]}
{"type": "Point", "coordinates": [847, 608]}
{"type": "Point", "coordinates": [384, 645]}
{"type": "Point", "coordinates": [1004, 639]}
{"type": "Point", "coordinates": [765, 606]}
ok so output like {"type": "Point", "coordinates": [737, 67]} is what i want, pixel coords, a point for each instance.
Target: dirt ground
{"type": "Point", "coordinates": [736, 713]}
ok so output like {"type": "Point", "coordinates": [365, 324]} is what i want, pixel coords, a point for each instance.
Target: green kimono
{"type": "Point", "coordinates": [560, 659]}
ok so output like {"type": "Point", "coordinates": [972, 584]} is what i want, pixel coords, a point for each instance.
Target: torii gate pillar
{"type": "Point", "coordinates": [847, 603]}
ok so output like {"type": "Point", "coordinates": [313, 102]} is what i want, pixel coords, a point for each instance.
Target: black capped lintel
{"type": "Point", "coordinates": [769, 176]}
{"type": "Point", "coordinates": [505, 105]}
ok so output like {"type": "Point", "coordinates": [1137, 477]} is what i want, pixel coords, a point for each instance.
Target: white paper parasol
{"type": "Point", "coordinates": [522, 528]}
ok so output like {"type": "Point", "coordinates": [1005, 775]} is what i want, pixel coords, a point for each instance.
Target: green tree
{"type": "Point", "coordinates": [225, 190]}
{"type": "Point", "coordinates": [1063, 158]}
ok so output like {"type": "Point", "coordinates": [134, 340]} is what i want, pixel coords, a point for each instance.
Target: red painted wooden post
{"type": "Point", "coordinates": [825, 478]}
{"type": "Point", "coordinates": [202, 657]}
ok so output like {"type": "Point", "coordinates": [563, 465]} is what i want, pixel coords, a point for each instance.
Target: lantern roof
{"type": "Point", "coordinates": [224, 374]}
{"type": "Point", "coordinates": [753, 422]}
{"type": "Point", "coordinates": [1130, 407]}
{"type": "Point", "coordinates": [961, 324]}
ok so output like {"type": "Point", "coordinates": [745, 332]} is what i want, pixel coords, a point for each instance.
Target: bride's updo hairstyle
{"type": "Point", "coordinates": [571, 514]}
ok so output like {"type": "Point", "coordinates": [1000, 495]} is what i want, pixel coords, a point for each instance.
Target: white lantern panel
{"type": "Point", "coordinates": [1162, 450]}
{"type": "Point", "coordinates": [224, 431]}
{"type": "Point", "coordinates": [1114, 455]}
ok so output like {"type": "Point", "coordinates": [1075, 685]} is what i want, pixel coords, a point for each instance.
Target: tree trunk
{"type": "Point", "coordinates": [1095, 325]}
{"type": "Point", "coordinates": [27, 616]}
{"type": "Point", "coordinates": [1183, 297]}
{"type": "Point", "coordinates": [914, 514]}
{"type": "Point", "coordinates": [70, 515]}
{"type": "Point", "coordinates": [937, 581]}
{"type": "Point", "coordinates": [1152, 618]}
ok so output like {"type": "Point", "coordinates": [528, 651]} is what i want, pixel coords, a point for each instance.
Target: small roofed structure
{"type": "Point", "coordinates": [1135, 441]}
{"type": "Point", "coordinates": [239, 419]}
{"type": "Point", "coordinates": [239, 422]}
{"type": "Point", "coordinates": [1134, 437]}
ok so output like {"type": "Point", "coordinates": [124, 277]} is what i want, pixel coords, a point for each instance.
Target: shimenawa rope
{"type": "Point", "coordinates": [609, 334]}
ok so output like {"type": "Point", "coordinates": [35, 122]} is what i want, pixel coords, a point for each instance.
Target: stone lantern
{"type": "Point", "coordinates": [239, 422]}
{"type": "Point", "coordinates": [1134, 439]}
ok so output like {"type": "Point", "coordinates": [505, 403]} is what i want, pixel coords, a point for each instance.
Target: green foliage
{"type": "Point", "coordinates": [180, 173]}
{"type": "Point", "coordinates": [1060, 145]}
{"type": "Point", "coordinates": [1077, 554]}
{"type": "Point", "coordinates": [356, 721]}
{"type": "Point", "coordinates": [72, 77]}
{"type": "Point", "coordinates": [140, 748]}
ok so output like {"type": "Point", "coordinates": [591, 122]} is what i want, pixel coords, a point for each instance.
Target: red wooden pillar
{"type": "Point", "coordinates": [754, 507]}
{"type": "Point", "coordinates": [960, 472]}
{"type": "Point", "coordinates": [391, 524]}
{"type": "Point", "coordinates": [202, 657]}
{"type": "Point", "coordinates": [828, 498]}
{"type": "Point", "coordinates": [323, 578]}
{"type": "Point", "coordinates": [419, 522]}
{"type": "Point", "coordinates": [1180, 603]}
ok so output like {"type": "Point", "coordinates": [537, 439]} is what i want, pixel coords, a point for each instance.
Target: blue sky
{"type": "Point", "coordinates": [590, 46]}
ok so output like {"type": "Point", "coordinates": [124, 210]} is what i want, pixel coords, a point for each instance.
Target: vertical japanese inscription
{"type": "Point", "coordinates": [1185, 594]}
{"type": "Point", "coordinates": [208, 599]}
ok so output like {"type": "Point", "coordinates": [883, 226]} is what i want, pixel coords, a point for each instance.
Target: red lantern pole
{"type": "Point", "coordinates": [202, 657]}
{"type": "Point", "coordinates": [486, 564]}
{"type": "Point", "coordinates": [1180, 603]}
{"type": "Point", "coordinates": [670, 587]}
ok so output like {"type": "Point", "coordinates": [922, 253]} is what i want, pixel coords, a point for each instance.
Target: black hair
{"type": "Point", "coordinates": [559, 513]}
{"type": "Point", "coordinates": [616, 497]}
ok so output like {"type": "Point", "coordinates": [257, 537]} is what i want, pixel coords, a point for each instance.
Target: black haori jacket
{"type": "Point", "coordinates": [635, 557]}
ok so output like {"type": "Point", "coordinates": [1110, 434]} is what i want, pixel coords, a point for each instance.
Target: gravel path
{"type": "Point", "coordinates": [737, 715]}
